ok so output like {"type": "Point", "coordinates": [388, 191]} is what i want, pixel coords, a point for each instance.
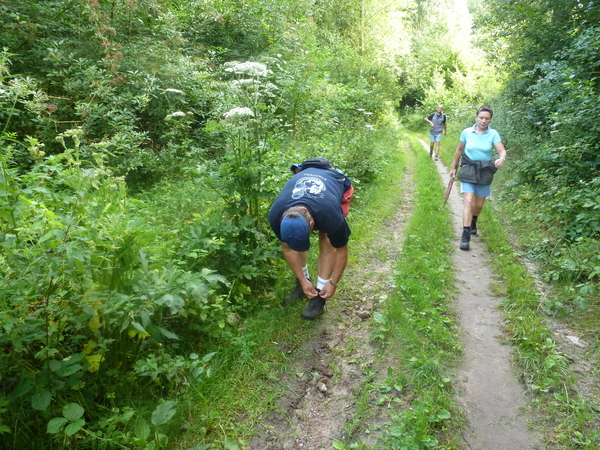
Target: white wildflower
{"type": "Point", "coordinates": [238, 112]}
{"type": "Point", "coordinates": [245, 82]}
{"type": "Point", "coordinates": [176, 91]}
{"type": "Point", "coordinates": [175, 114]}
{"type": "Point", "coordinates": [249, 68]}
{"type": "Point", "coordinates": [270, 90]}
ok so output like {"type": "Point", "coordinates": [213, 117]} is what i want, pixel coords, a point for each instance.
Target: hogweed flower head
{"type": "Point", "coordinates": [238, 113]}
{"type": "Point", "coordinates": [253, 69]}
{"type": "Point", "coordinates": [175, 114]}
{"type": "Point", "coordinates": [245, 82]}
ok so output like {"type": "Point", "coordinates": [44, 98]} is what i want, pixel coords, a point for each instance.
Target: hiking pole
{"type": "Point", "coordinates": [448, 190]}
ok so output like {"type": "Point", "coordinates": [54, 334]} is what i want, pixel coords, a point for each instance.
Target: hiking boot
{"type": "Point", "coordinates": [436, 156]}
{"type": "Point", "coordinates": [314, 308]}
{"type": "Point", "coordinates": [431, 153]}
{"type": "Point", "coordinates": [465, 240]}
{"type": "Point", "coordinates": [296, 294]}
{"type": "Point", "coordinates": [473, 231]}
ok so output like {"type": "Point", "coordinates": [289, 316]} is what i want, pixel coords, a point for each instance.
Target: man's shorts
{"type": "Point", "coordinates": [435, 137]}
{"type": "Point", "coordinates": [346, 200]}
{"type": "Point", "coordinates": [480, 190]}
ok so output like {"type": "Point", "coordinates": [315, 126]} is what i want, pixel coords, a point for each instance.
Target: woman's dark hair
{"type": "Point", "coordinates": [485, 108]}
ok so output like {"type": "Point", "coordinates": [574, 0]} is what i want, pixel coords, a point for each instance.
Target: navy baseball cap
{"type": "Point", "coordinates": [295, 232]}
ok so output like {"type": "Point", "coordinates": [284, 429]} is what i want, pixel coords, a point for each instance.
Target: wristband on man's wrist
{"type": "Point", "coordinates": [335, 285]}
{"type": "Point", "coordinates": [503, 158]}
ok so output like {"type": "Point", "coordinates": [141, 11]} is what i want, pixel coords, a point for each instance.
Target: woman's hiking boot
{"type": "Point", "coordinates": [296, 294]}
{"type": "Point", "coordinates": [465, 239]}
{"type": "Point", "coordinates": [474, 226]}
{"type": "Point", "coordinates": [314, 308]}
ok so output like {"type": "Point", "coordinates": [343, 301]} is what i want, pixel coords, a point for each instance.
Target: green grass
{"type": "Point", "coordinates": [418, 332]}
{"type": "Point", "coordinates": [422, 322]}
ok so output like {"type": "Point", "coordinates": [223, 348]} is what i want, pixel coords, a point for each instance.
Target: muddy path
{"type": "Point", "coordinates": [330, 370]}
{"type": "Point", "coordinates": [495, 403]}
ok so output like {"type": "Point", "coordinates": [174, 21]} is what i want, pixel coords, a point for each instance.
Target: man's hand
{"type": "Point", "coordinates": [309, 290]}
{"type": "Point", "coordinates": [327, 291]}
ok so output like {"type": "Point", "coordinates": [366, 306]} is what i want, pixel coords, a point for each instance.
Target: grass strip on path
{"type": "Point", "coordinates": [419, 327]}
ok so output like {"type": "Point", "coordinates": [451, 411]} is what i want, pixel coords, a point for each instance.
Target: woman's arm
{"type": "Point", "coordinates": [502, 152]}
{"type": "Point", "coordinates": [459, 151]}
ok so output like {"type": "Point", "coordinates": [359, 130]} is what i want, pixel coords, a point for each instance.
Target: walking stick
{"type": "Point", "coordinates": [448, 190]}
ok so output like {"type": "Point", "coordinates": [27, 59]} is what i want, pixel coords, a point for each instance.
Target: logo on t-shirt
{"type": "Point", "coordinates": [311, 186]}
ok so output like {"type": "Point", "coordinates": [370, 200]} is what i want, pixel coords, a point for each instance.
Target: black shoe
{"type": "Point", "coordinates": [314, 308]}
{"type": "Point", "coordinates": [473, 231]}
{"type": "Point", "coordinates": [465, 240]}
{"type": "Point", "coordinates": [431, 153]}
{"type": "Point", "coordinates": [296, 294]}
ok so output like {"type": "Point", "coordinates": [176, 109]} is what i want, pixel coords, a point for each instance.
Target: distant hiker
{"type": "Point", "coordinates": [317, 197]}
{"type": "Point", "coordinates": [437, 120]}
{"type": "Point", "coordinates": [477, 168]}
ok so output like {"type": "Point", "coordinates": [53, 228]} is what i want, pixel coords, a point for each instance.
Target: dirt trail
{"type": "Point", "coordinates": [325, 378]}
{"type": "Point", "coordinates": [495, 403]}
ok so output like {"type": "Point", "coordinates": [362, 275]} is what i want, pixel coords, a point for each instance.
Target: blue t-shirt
{"type": "Point", "coordinates": [320, 191]}
{"type": "Point", "coordinates": [479, 147]}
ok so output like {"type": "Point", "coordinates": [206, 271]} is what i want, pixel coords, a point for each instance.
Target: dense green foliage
{"type": "Point", "coordinates": [550, 53]}
{"type": "Point", "coordinates": [142, 143]}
